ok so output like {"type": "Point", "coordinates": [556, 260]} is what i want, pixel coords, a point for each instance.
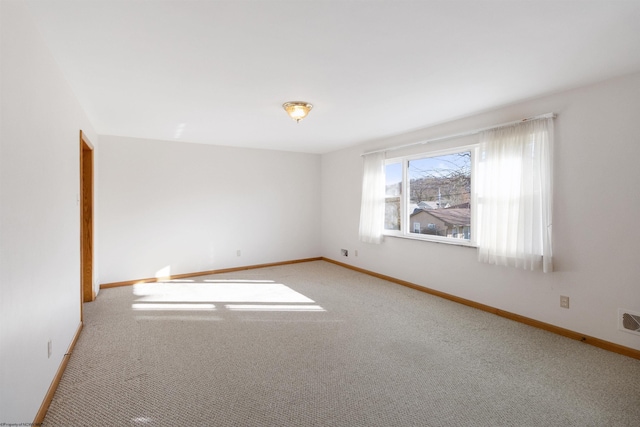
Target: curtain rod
{"type": "Point", "coordinates": [459, 135]}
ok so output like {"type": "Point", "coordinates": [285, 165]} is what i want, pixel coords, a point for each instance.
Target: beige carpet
{"type": "Point", "coordinates": [315, 344]}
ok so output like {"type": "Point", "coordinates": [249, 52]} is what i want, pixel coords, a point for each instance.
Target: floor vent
{"type": "Point", "coordinates": [629, 321]}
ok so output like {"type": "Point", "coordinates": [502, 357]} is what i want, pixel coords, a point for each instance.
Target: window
{"type": "Point", "coordinates": [429, 196]}
{"type": "Point", "coordinates": [510, 200]}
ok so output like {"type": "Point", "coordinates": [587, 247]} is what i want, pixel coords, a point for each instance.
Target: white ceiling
{"type": "Point", "coordinates": [220, 70]}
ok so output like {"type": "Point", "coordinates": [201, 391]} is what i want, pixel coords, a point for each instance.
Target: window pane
{"type": "Point", "coordinates": [393, 191]}
{"type": "Point", "coordinates": [392, 216]}
{"type": "Point", "coordinates": [440, 195]}
{"type": "Point", "coordinates": [393, 177]}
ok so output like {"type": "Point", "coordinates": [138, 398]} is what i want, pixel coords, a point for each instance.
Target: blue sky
{"type": "Point", "coordinates": [431, 164]}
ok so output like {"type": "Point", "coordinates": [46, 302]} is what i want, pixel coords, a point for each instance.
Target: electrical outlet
{"type": "Point", "coordinates": [238, 252]}
{"type": "Point", "coordinates": [564, 301]}
{"type": "Point", "coordinates": [49, 349]}
{"type": "Point", "coordinates": [344, 252]}
{"type": "Point", "coordinates": [355, 253]}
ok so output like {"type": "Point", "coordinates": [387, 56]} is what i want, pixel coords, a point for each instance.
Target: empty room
{"type": "Point", "coordinates": [319, 213]}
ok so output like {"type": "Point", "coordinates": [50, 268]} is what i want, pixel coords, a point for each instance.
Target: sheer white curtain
{"type": "Point", "coordinates": [372, 207]}
{"type": "Point", "coordinates": [514, 195]}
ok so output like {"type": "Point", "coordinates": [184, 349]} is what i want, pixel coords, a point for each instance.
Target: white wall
{"type": "Point", "coordinates": [178, 207]}
{"type": "Point", "coordinates": [597, 205]}
{"type": "Point", "coordinates": [39, 215]}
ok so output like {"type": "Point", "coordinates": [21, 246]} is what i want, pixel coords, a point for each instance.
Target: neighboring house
{"type": "Point", "coordinates": [466, 205]}
{"type": "Point", "coordinates": [452, 222]}
{"type": "Point", "coordinates": [432, 205]}
{"type": "Point", "coordinates": [413, 207]}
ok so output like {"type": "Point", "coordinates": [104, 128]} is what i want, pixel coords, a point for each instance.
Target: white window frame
{"type": "Point", "coordinates": [405, 226]}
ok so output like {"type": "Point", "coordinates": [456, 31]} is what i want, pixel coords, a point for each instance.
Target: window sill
{"type": "Point", "coordinates": [465, 244]}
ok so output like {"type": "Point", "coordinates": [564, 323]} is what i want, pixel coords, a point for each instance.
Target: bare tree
{"type": "Point", "coordinates": [449, 183]}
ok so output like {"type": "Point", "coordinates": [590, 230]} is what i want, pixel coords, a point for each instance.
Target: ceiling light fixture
{"type": "Point", "coordinates": [297, 110]}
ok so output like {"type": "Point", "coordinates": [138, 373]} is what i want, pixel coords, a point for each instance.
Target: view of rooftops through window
{"type": "Point", "coordinates": [439, 196]}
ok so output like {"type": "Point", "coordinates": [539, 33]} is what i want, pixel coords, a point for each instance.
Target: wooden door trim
{"type": "Point", "coordinates": [86, 219]}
